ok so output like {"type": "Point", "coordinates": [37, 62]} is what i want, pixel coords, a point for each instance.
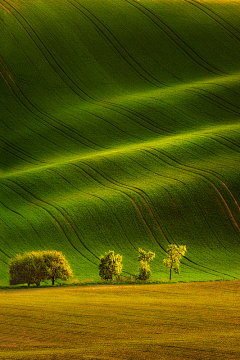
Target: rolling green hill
{"type": "Point", "coordinates": [120, 128]}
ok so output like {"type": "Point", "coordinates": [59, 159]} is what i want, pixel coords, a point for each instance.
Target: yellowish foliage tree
{"type": "Point", "coordinates": [175, 254]}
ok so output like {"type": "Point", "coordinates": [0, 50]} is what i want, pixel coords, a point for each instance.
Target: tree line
{"type": "Point", "coordinates": [111, 264]}
{"type": "Point", "coordinates": [35, 267]}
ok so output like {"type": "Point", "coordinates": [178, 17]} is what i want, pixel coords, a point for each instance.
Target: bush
{"type": "Point", "coordinates": [34, 267]}
{"type": "Point", "coordinates": [110, 265]}
{"type": "Point", "coordinates": [144, 258]}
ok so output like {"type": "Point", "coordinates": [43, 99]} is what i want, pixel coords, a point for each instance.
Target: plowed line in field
{"type": "Point", "coordinates": [219, 105]}
{"type": "Point", "coordinates": [213, 15]}
{"type": "Point", "coordinates": [131, 188]}
{"type": "Point", "coordinates": [11, 146]}
{"type": "Point", "coordinates": [126, 56]}
{"type": "Point", "coordinates": [126, 194]}
{"type": "Point", "coordinates": [191, 53]}
{"type": "Point", "coordinates": [51, 60]}
{"type": "Point", "coordinates": [53, 218]}
{"type": "Point", "coordinates": [197, 171]}
{"type": "Point", "coordinates": [17, 213]}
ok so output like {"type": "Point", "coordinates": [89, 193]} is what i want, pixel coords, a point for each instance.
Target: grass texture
{"type": "Point", "coordinates": [165, 322]}
{"type": "Point", "coordinates": [120, 129]}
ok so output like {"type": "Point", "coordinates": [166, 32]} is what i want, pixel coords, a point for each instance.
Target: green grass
{"type": "Point", "coordinates": [120, 129]}
{"type": "Point", "coordinates": [175, 321]}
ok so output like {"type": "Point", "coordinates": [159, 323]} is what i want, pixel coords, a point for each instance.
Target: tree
{"type": "Point", "coordinates": [175, 254]}
{"type": "Point", "coordinates": [110, 265]}
{"type": "Point", "coordinates": [144, 270]}
{"type": "Point", "coordinates": [57, 266]}
{"type": "Point", "coordinates": [34, 267]}
{"type": "Point", "coordinates": [28, 268]}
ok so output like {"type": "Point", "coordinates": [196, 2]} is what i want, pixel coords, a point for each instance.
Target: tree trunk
{"type": "Point", "coordinates": [53, 281]}
{"type": "Point", "coordinates": [170, 274]}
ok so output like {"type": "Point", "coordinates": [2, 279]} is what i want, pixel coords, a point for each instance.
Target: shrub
{"type": "Point", "coordinates": [144, 270]}
{"type": "Point", "coordinates": [29, 268]}
{"type": "Point", "coordinates": [110, 265]}
{"type": "Point", "coordinates": [34, 267]}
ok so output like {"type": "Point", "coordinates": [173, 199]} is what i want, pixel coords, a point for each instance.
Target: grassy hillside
{"type": "Point", "coordinates": [120, 128]}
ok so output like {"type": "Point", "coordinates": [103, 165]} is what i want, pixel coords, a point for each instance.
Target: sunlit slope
{"type": "Point", "coordinates": [120, 128]}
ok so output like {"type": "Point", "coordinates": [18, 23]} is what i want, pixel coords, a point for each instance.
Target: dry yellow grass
{"type": "Point", "coordinates": [174, 321]}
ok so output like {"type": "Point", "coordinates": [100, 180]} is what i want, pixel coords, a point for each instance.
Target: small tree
{"type": "Point", "coordinates": [28, 268]}
{"type": "Point", "coordinates": [175, 254]}
{"type": "Point", "coordinates": [110, 265]}
{"type": "Point", "coordinates": [144, 270]}
{"type": "Point", "coordinates": [57, 266]}
{"type": "Point", "coordinates": [34, 267]}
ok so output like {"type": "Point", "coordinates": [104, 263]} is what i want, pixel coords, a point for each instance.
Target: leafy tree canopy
{"type": "Point", "coordinates": [175, 254]}
{"type": "Point", "coordinates": [34, 267]}
{"type": "Point", "coordinates": [110, 265]}
{"type": "Point", "coordinates": [144, 270]}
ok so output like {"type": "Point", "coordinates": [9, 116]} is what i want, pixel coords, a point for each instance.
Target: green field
{"type": "Point", "coordinates": [197, 321]}
{"type": "Point", "coordinates": [120, 129]}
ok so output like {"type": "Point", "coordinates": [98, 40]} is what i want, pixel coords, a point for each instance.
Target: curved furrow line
{"type": "Point", "coordinates": [216, 17]}
{"type": "Point", "coordinates": [71, 129]}
{"type": "Point", "coordinates": [216, 103]}
{"type": "Point", "coordinates": [149, 208]}
{"type": "Point", "coordinates": [175, 38]}
{"type": "Point", "coordinates": [205, 267]}
{"type": "Point", "coordinates": [42, 112]}
{"type": "Point", "coordinates": [145, 221]}
{"type": "Point", "coordinates": [196, 171]}
{"type": "Point", "coordinates": [17, 213]}
{"type": "Point", "coordinates": [53, 218]}
{"type": "Point", "coordinates": [22, 152]}
{"type": "Point", "coordinates": [155, 209]}
{"type": "Point", "coordinates": [60, 123]}
{"type": "Point", "coordinates": [194, 202]}
{"type": "Point", "coordinates": [83, 192]}
{"type": "Point", "coordinates": [90, 144]}
{"type": "Point", "coordinates": [94, 196]}
{"type": "Point", "coordinates": [38, 134]}
{"type": "Point", "coordinates": [71, 226]}
{"type": "Point", "coordinates": [137, 114]}
{"type": "Point", "coordinates": [161, 101]}
{"type": "Point", "coordinates": [108, 105]}
{"type": "Point", "coordinates": [125, 194]}
{"type": "Point", "coordinates": [112, 124]}
{"type": "Point", "coordinates": [7, 75]}
{"type": "Point", "coordinates": [42, 48]}
{"type": "Point", "coordinates": [220, 98]}
{"type": "Point", "coordinates": [228, 140]}
{"type": "Point", "coordinates": [212, 172]}
{"type": "Point", "coordinates": [112, 212]}
{"type": "Point", "coordinates": [44, 122]}
{"type": "Point", "coordinates": [19, 157]}
{"type": "Point", "coordinates": [213, 138]}
{"type": "Point", "coordinates": [4, 253]}
{"type": "Point", "coordinates": [226, 215]}
{"type": "Point", "coordinates": [131, 188]}
{"type": "Point", "coordinates": [107, 34]}
{"type": "Point", "coordinates": [230, 89]}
